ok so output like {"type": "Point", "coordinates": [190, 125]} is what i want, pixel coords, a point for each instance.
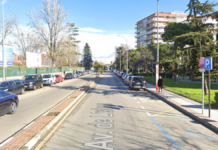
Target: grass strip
{"type": "Point", "coordinates": [187, 89]}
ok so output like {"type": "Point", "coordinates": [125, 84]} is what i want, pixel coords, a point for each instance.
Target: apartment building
{"type": "Point", "coordinates": [147, 27]}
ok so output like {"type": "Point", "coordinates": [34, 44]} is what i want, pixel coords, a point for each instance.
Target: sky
{"type": "Point", "coordinates": [101, 21]}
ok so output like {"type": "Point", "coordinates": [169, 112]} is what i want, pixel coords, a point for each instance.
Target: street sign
{"type": "Point", "coordinates": [201, 62]}
{"type": "Point", "coordinates": [201, 70]}
{"type": "Point", "coordinates": [208, 64]}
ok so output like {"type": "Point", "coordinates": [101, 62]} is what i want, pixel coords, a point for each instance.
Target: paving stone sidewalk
{"type": "Point", "coordinates": [189, 107]}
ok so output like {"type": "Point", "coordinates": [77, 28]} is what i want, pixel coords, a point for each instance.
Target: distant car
{"type": "Point", "coordinates": [49, 79]}
{"type": "Point", "coordinates": [59, 78]}
{"type": "Point", "coordinates": [8, 102]}
{"type": "Point", "coordinates": [137, 82]}
{"type": "Point", "coordinates": [13, 86]}
{"type": "Point", "coordinates": [33, 81]}
{"type": "Point", "coordinates": [69, 76]}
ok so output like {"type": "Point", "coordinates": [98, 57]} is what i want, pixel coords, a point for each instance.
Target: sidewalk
{"type": "Point", "coordinates": [188, 107]}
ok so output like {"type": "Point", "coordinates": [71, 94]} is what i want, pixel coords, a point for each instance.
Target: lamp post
{"type": "Point", "coordinates": [157, 75]}
{"type": "Point", "coordinates": [3, 55]}
{"type": "Point", "coordinates": [126, 53]}
{"type": "Point", "coordinates": [152, 67]}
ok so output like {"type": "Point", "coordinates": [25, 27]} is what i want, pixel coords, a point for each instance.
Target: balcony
{"type": "Point", "coordinates": [155, 31]}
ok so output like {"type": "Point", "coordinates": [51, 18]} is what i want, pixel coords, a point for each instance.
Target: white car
{"type": "Point", "coordinates": [49, 79]}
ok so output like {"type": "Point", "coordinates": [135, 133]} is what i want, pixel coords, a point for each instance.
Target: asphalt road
{"type": "Point", "coordinates": [35, 103]}
{"type": "Point", "coordinates": [112, 118]}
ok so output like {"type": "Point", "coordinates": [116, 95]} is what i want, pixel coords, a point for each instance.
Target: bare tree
{"type": "Point", "coordinates": [25, 40]}
{"type": "Point", "coordinates": [9, 26]}
{"type": "Point", "coordinates": [48, 23]}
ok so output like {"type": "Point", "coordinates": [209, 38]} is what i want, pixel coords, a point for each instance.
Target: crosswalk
{"type": "Point", "coordinates": [149, 100]}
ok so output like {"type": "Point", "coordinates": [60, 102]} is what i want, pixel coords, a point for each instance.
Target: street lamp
{"type": "Point", "coordinates": [152, 67]}
{"type": "Point", "coordinates": [157, 42]}
{"type": "Point", "coordinates": [3, 55]}
{"type": "Point", "coordinates": [126, 53]}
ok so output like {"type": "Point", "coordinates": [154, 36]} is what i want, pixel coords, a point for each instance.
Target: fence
{"type": "Point", "coordinates": [21, 71]}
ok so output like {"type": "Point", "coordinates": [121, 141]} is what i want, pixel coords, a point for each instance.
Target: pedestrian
{"type": "Point", "coordinates": [160, 84]}
{"type": "Point", "coordinates": [64, 73]}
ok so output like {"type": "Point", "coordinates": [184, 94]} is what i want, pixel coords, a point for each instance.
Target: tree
{"type": "Point", "coordinates": [98, 66]}
{"type": "Point", "coordinates": [87, 57]}
{"type": "Point", "coordinates": [8, 28]}
{"type": "Point", "coordinates": [27, 41]}
{"type": "Point", "coordinates": [49, 23]}
{"type": "Point", "coordinates": [120, 57]}
{"type": "Point", "coordinates": [174, 29]}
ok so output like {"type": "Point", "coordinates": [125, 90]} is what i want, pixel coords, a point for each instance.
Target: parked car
{"type": "Point", "coordinates": [59, 78]}
{"type": "Point", "coordinates": [49, 79]}
{"type": "Point", "coordinates": [33, 81]}
{"type": "Point", "coordinates": [80, 73]}
{"type": "Point", "coordinates": [13, 86]}
{"type": "Point", "coordinates": [8, 102]}
{"type": "Point", "coordinates": [69, 76]}
{"type": "Point", "coordinates": [137, 82]}
{"type": "Point", "coordinates": [127, 80]}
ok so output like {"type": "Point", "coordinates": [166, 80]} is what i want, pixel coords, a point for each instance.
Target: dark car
{"type": "Point", "coordinates": [137, 82]}
{"type": "Point", "coordinates": [69, 76]}
{"type": "Point", "coordinates": [33, 81]}
{"type": "Point", "coordinates": [8, 102]}
{"type": "Point", "coordinates": [13, 86]}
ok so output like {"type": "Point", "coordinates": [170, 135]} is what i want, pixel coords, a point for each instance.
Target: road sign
{"type": "Point", "coordinates": [201, 62]}
{"type": "Point", "coordinates": [201, 70]}
{"type": "Point", "coordinates": [208, 65]}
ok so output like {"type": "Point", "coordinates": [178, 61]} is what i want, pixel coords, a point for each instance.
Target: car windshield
{"type": "Point", "coordinates": [4, 84]}
{"type": "Point", "coordinates": [46, 76]}
{"type": "Point", "coordinates": [29, 78]}
{"type": "Point", "coordinates": [139, 79]}
{"type": "Point", "coordinates": [69, 74]}
{"type": "Point", "coordinates": [56, 75]}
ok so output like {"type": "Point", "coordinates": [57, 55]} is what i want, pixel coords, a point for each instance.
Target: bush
{"type": "Point", "coordinates": [216, 99]}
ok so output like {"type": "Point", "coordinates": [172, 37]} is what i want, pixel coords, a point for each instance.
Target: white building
{"type": "Point", "coordinates": [147, 27]}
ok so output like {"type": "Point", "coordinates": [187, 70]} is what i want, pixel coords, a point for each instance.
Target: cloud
{"type": "Point", "coordinates": [90, 30]}
{"type": "Point", "coordinates": [103, 45]}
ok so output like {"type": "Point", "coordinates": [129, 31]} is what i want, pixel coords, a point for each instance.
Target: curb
{"type": "Point", "coordinates": [31, 143]}
{"type": "Point", "coordinates": [190, 114]}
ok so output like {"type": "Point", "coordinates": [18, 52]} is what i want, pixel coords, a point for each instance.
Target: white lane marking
{"type": "Point", "coordinates": [6, 141]}
{"type": "Point", "coordinates": [148, 114]}
{"type": "Point", "coordinates": [142, 107]}
{"type": "Point", "coordinates": [138, 102]}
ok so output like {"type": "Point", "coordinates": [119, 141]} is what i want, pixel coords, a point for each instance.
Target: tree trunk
{"type": "Point", "coordinates": [205, 87]}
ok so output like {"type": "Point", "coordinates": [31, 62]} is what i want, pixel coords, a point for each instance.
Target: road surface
{"type": "Point", "coordinates": [112, 118]}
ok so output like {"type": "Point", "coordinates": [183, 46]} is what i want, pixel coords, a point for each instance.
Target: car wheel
{"type": "Point", "coordinates": [22, 91]}
{"type": "Point", "coordinates": [62, 80]}
{"type": "Point", "coordinates": [41, 85]}
{"type": "Point", "coordinates": [144, 89]}
{"type": "Point", "coordinates": [13, 108]}
{"type": "Point", "coordinates": [34, 87]}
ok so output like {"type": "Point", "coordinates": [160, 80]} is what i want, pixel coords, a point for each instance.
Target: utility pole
{"type": "Point", "coordinates": [152, 67]}
{"type": "Point", "coordinates": [157, 75]}
{"type": "Point", "coordinates": [126, 52]}
{"type": "Point", "coordinates": [3, 55]}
